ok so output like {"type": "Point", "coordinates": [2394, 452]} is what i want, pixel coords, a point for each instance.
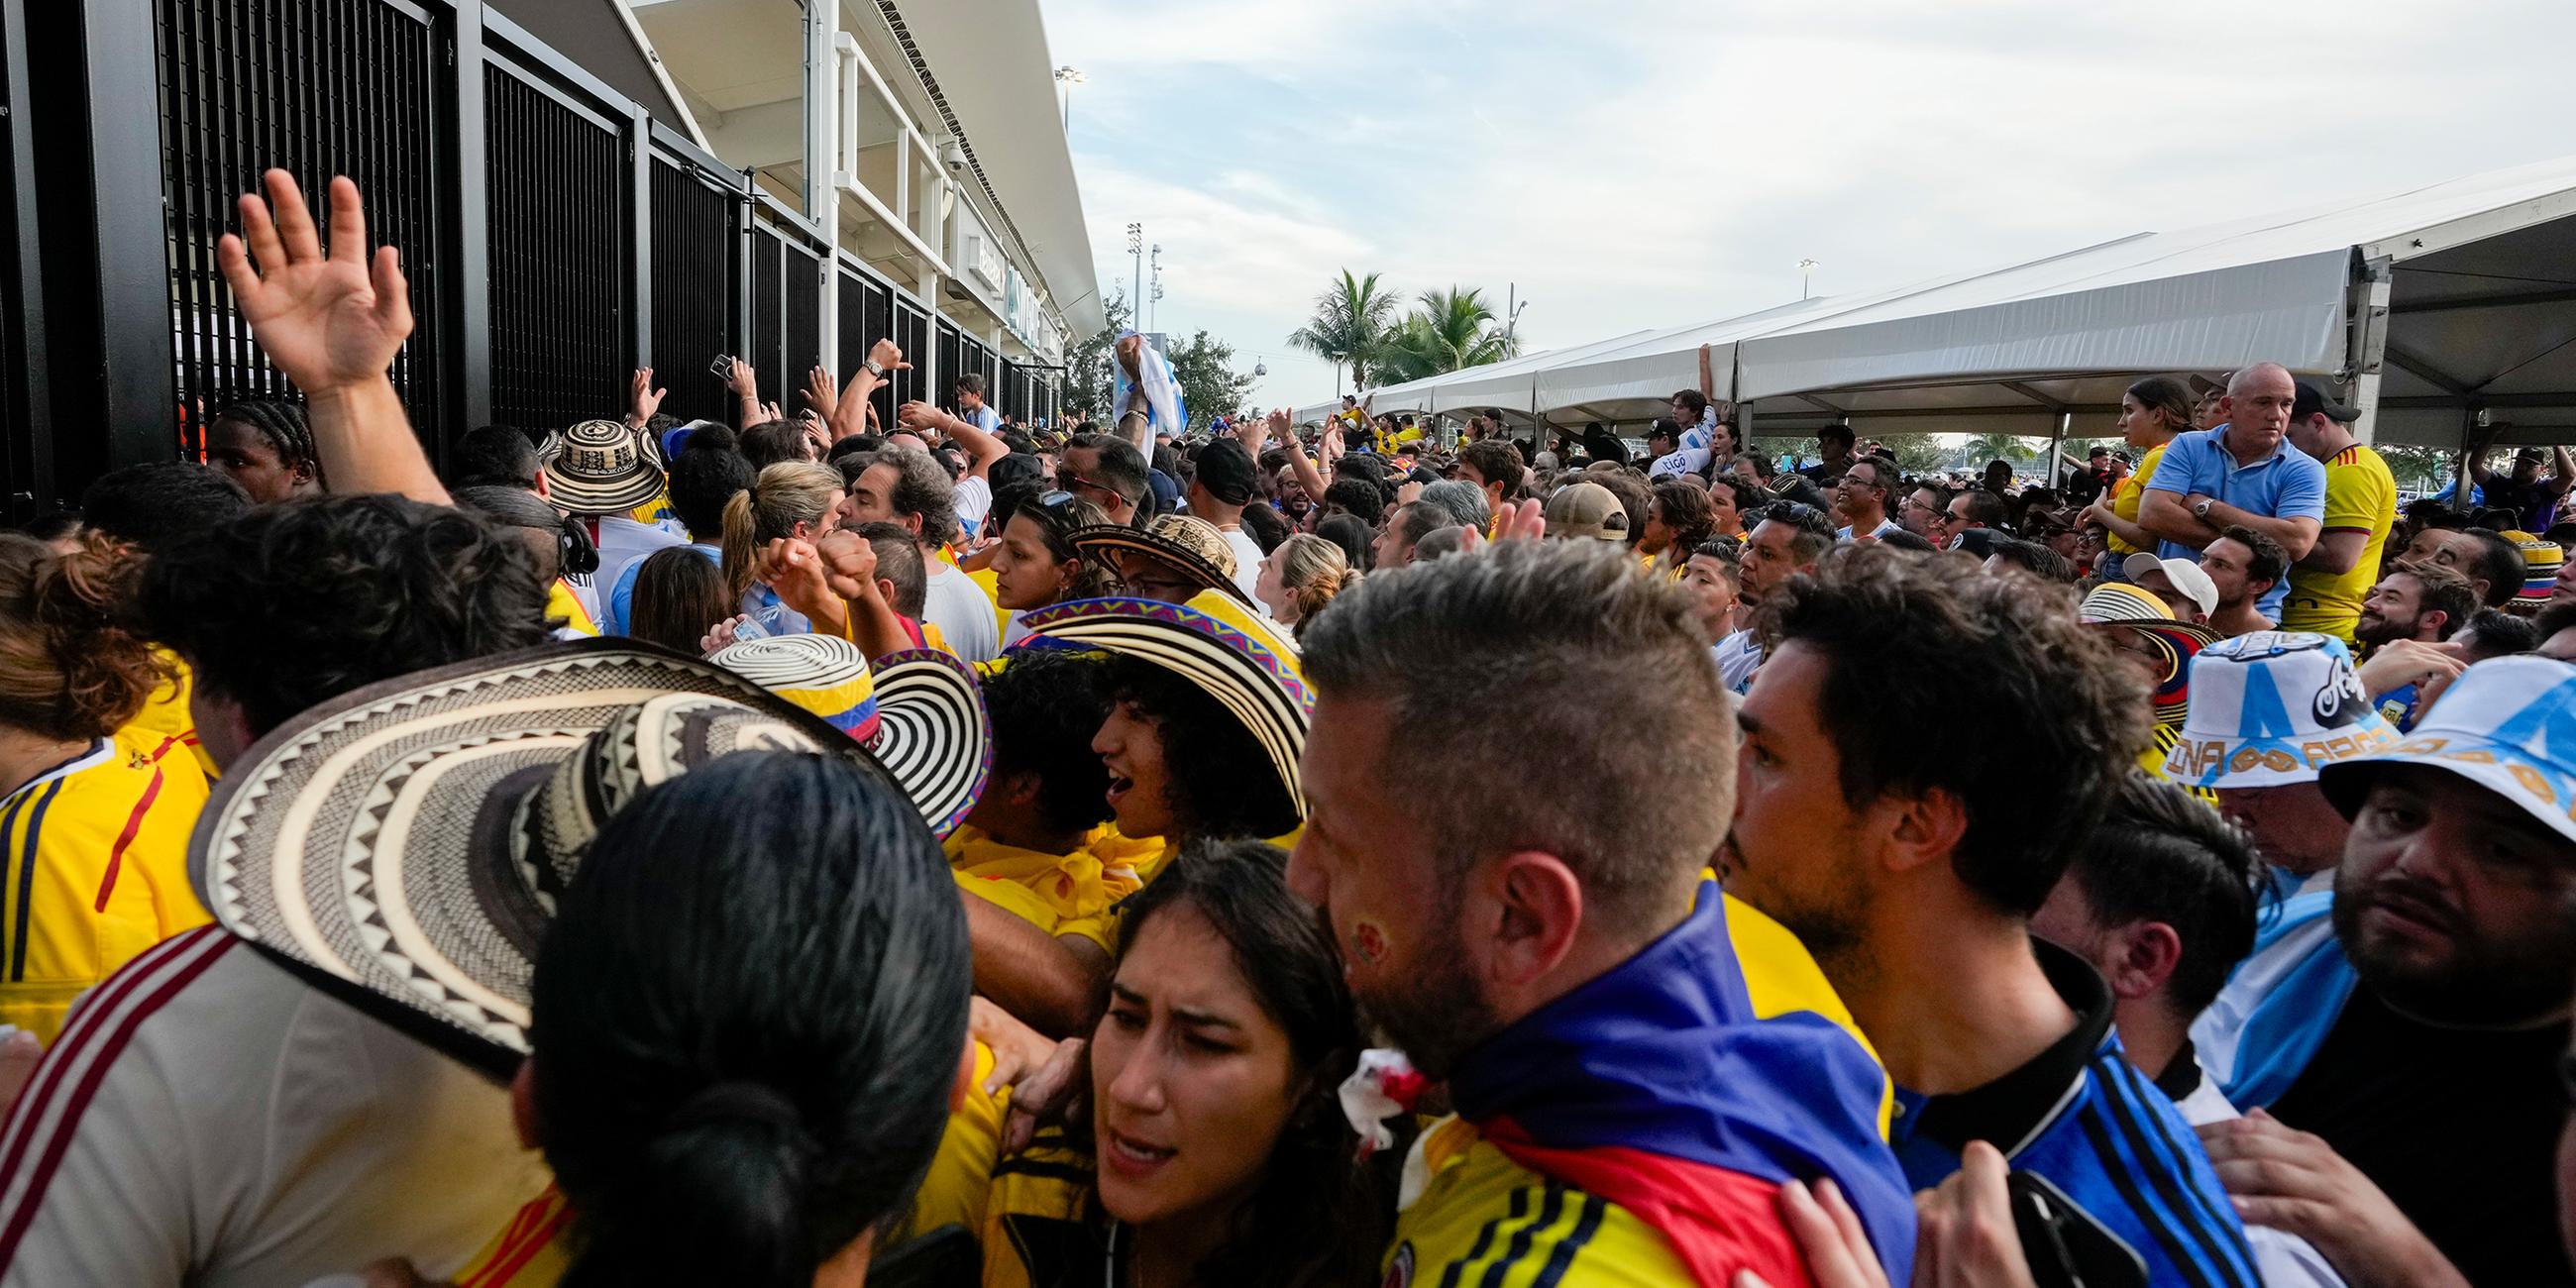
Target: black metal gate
{"type": "Point", "coordinates": [554, 235]}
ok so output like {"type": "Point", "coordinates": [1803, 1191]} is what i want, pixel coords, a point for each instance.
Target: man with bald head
{"type": "Point", "coordinates": [2243, 473]}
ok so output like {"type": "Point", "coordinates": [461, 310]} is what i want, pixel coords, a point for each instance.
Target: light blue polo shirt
{"type": "Point", "coordinates": [2288, 484]}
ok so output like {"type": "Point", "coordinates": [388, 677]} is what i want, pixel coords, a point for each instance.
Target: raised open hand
{"type": "Point", "coordinates": [819, 393]}
{"type": "Point", "coordinates": [327, 321]}
{"type": "Point", "coordinates": [642, 399]}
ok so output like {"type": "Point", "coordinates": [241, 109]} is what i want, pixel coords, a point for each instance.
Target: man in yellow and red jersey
{"type": "Point", "coordinates": [2327, 586]}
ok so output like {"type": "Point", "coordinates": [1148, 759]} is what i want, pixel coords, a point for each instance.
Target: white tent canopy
{"type": "Point", "coordinates": [2425, 306]}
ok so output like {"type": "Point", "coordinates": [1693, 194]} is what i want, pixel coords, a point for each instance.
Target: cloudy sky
{"type": "Point", "coordinates": [1634, 163]}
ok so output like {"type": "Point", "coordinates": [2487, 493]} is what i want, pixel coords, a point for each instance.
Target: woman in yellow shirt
{"type": "Point", "coordinates": [94, 822]}
{"type": "Point", "coordinates": [2151, 413]}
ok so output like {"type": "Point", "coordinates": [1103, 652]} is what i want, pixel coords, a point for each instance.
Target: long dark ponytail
{"type": "Point", "coordinates": [744, 1046]}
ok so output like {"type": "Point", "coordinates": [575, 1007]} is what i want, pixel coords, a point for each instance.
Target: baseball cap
{"type": "Point", "coordinates": [1581, 510]}
{"type": "Point", "coordinates": [2507, 724]}
{"type": "Point", "coordinates": [2312, 399]}
{"type": "Point", "coordinates": [2185, 575]}
{"type": "Point", "coordinates": [1228, 471]}
{"type": "Point", "coordinates": [2203, 386]}
{"type": "Point", "coordinates": [2272, 708]}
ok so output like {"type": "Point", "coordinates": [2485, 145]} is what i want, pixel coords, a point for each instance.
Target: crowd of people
{"type": "Point", "coordinates": [809, 850]}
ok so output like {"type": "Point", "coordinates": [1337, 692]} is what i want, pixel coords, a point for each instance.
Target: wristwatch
{"type": "Point", "coordinates": [873, 368]}
{"type": "Point", "coordinates": [2201, 511]}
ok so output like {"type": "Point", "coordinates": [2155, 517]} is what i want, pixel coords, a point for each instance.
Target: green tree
{"type": "Point", "coordinates": [2422, 468]}
{"type": "Point", "coordinates": [1091, 379]}
{"type": "Point", "coordinates": [1993, 447]}
{"type": "Point", "coordinates": [1348, 326]}
{"type": "Point", "coordinates": [1211, 386]}
{"type": "Point", "coordinates": [1450, 330]}
{"type": "Point", "coordinates": [1916, 453]}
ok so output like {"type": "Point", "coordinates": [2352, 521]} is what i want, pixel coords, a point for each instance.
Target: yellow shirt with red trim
{"type": "Point", "coordinates": [561, 602]}
{"type": "Point", "coordinates": [2133, 489]}
{"type": "Point", "coordinates": [1470, 1215]}
{"type": "Point", "coordinates": [2361, 496]}
{"type": "Point", "coordinates": [166, 714]}
{"type": "Point", "coordinates": [1057, 893]}
{"type": "Point", "coordinates": [530, 1252]}
{"type": "Point", "coordinates": [93, 871]}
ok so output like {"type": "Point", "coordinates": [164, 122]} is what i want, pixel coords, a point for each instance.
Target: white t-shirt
{"type": "Point", "coordinates": [208, 1118]}
{"type": "Point", "coordinates": [1247, 562]}
{"type": "Point", "coordinates": [973, 499]}
{"type": "Point", "coordinates": [957, 606]}
{"type": "Point", "coordinates": [2286, 1260]}
{"type": "Point", "coordinates": [623, 541]}
{"type": "Point", "coordinates": [1738, 656]}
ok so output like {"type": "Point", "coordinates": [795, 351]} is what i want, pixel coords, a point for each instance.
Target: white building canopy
{"type": "Point", "coordinates": [2425, 306]}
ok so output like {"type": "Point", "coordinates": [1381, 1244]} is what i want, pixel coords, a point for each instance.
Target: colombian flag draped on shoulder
{"type": "Point", "coordinates": [1689, 1084]}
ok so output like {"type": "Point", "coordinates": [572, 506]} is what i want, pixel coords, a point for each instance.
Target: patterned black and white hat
{"type": "Point", "coordinates": [403, 845]}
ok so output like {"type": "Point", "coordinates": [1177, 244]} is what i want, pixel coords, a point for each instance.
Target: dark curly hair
{"type": "Point", "coordinates": [2039, 724]}
{"type": "Point", "coordinates": [1220, 784]}
{"type": "Point", "coordinates": [1316, 1217]}
{"type": "Point", "coordinates": [290, 604]}
{"type": "Point", "coordinates": [161, 503]}
{"type": "Point", "coordinates": [1046, 706]}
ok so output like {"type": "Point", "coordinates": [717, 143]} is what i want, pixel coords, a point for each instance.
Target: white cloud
{"type": "Point", "coordinates": [1637, 163]}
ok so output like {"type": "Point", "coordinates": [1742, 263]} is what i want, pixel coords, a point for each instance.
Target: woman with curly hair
{"type": "Point", "coordinates": [94, 816]}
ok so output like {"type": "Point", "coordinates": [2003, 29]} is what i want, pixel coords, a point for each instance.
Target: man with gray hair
{"type": "Point", "coordinates": [1464, 501]}
{"type": "Point", "coordinates": [2244, 473]}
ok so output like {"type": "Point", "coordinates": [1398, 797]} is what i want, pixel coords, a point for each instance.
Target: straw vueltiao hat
{"type": "Point", "coordinates": [1233, 654]}
{"type": "Point", "coordinates": [919, 712]}
{"type": "Point", "coordinates": [2123, 606]}
{"type": "Point", "coordinates": [599, 467]}
{"type": "Point", "coordinates": [402, 846]}
{"type": "Point", "coordinates": [1190, 547]}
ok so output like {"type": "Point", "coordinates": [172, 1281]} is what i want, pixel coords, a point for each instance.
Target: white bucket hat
{"type": "Point", "coordinates": [2272, 708]}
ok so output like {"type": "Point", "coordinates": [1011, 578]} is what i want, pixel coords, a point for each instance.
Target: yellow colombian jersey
{"type": "Point", "coordinates": [1057, 893]}
{"type": "Point", "coordinates": [166, 714]}
{"type": "Point", "coordinates": [954, 1190]}
{"type": "Point", "coordinates": [2153, 761]}
{"type": "Point", "coordinates": [530, 1252]}
{"type": "Point", "coordinates": [1470, 1215]}
{"type": "Point", "coordinates": [561, 602]}
{"type": "Point", "coordinates": [1038, 1229]}
{"type": "Point", "coordinates": [655, 512]}
{"type": "Point", "coordinates": [95, 858]}
{"type": "Point", "coordinates": [2361, 496]}
{"type": "Point", "coordinates": [2133, 489]}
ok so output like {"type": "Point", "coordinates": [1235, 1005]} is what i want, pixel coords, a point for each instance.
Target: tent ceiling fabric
{"type": "Point", "coordinates": [2482, 301]}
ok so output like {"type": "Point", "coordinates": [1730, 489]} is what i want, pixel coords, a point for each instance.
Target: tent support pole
{"type": "Point", "coordinates": [2370, 350]}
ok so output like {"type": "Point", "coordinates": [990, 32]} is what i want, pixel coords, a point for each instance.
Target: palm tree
{"type": "Point", "coordinates": [1349, 324]}
{"type": "Point", "coordinates": [1996, 447]}
{"type": "Point", "coordinates": [1450, 330]}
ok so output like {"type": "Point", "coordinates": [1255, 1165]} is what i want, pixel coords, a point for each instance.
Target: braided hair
{"type": "Point", "coordinates": [284, 426]}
